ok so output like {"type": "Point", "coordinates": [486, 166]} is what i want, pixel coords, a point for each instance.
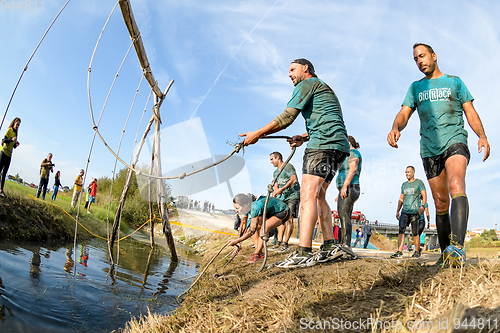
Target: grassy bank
{"type": "Point", "coordinates": [23, 217]}
{"type": "Point", "coordinates": [238, 299]}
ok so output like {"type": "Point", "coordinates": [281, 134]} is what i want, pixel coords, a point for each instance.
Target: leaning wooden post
{"type": "Point", "coordinates": [160, 191]}
{"type": "Point", "coordinates": [126, 187]}
{"type": "Point", "coordinates": [151, 215]}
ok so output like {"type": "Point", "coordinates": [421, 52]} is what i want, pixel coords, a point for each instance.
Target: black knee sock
{"type": "Point", "coordinates": [443, 229]}
{"type": "Point", "coordinates": [459, 217]}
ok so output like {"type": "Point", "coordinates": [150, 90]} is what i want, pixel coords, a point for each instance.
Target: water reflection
{"type": "Point", "coordinates": [40, 292]}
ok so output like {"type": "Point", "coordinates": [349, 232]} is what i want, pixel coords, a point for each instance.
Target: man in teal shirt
{"type": "Point", "coordinates": [441, 101]}
{"type": "Point", "coordinates": [412, 199]}
{"type": "Point", "coordinates": [326, 150]}
{"type": "Point", "coordinates": [287, 189]}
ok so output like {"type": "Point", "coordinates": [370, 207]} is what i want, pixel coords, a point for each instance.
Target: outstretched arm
{"type": "Point", "coordinates": [254, 226]}
{"type": "Point", "coordinates": [282, 121]}
{"type": "Point", "coordinates": [398, 125]}
{"type": "Point", "coordinates": [477, 126]}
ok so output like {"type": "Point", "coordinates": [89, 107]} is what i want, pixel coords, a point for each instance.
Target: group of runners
{"type": "Point", "coordinates": [441, 101]}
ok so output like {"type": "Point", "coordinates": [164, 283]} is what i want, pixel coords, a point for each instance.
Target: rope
{"type": "Point", "coordinates": [93, 139]}
{"type": "Point", "coordinates": [119, 146]}
{"type": "Point", "coordinates": [139, 127]}
{"type": "Point", "coordinates": [269, 191]}
{"type": "Point", "coordinates": [29, 60]}
{"type": "Point", "coordinates": [203, 271]}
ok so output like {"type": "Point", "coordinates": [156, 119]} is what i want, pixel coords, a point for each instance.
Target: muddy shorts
{"type": "Point", "coordinates": [434, 165]}
{"type": "Point", "coordinates": [293, 204]}
{"type": "Point", "coordinates": [322, 162]}
{"type": "Point", "coordinates": [405, 220]}
{"type": "Point", "coordinates": [283, 215]}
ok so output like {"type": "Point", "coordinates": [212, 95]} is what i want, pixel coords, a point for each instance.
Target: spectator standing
{"type": "Point", "coordinates": [92, 194]}
{"type": "Point", "coordinates": [78, 188]}
{"type": "Point", "coordinates": [359, 236]}
{"type": "Point", "coordinates": [57, 183]}
{"type": "Point", "coordinates": [9, 142]}
{"type": "Point", "coordinates": [46, 167]}
{"type": "Point", "coordinates": [367, 231]}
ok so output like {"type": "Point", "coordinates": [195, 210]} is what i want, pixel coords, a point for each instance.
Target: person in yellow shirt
{"type": "Point", "coordinates": [9, 142]}
{"type": "Point", "coordinates": [78, 188]}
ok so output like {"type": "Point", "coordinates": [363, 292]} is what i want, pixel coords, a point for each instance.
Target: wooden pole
{"type": "Point", "coordinates": [135, 34]}
{"type": "Point", "coordinates": [151, 215]}
{"type": "Point", "coordinates": [160, 191]}
{"type": "Point", "coordinates": [126, 187]}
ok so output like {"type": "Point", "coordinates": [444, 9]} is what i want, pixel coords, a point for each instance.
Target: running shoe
{"type": "Point", "coordinates": [274, 242]}
{"type": "Point", "coordinates": [398, 254]}
{"type": "Point", "coordinates": [275, 247]}
{"type": "Point", "coordinates": [348, 252]}
{"type": "Point", "coordinates": [335, 252]}
{"type": "Point", "coordinates": [453, 256]}
{"type": "Point", "coordinates": [255, 257]}
{"type": "Point", "coordinates": [2, 194]}
{"type": "Point", "coordinates": [416, 254]}
{"type": "Point", "coordinates": [296, 260]}
{"type": "Point", "coordinates": [284, 248]}
{"type": "Point", "coordinates": [439, 263]}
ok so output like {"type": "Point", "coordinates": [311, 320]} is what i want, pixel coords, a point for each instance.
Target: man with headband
{"type": "Point", "coordinates": [326, 150]}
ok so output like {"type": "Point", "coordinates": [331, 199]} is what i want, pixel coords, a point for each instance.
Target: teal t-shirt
{"type": "Point", "coordinates": [422, 238]}
{"type": "Point", "coordinates": [422, 217]}
{"type": "Point", "coordinates": [293, 192]}
{"type": "Point", "coordinates": [412, 196]}
{"type": "Point", "coordinates": [274, 206]}
{"type": "Point", "coordinates": [439, 105]}
{"type": "Point", "coordinates": [344, 169]}
{"type": "Point", "coordinates": [321, 110]}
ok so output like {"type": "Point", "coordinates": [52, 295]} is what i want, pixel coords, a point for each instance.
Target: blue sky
{"type": "Point", "coordinates": [362, 49]}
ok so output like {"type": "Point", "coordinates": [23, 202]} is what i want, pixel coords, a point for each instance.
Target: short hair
{"type": "Point", "coordinates": [428, 47]}
{"type": "Point", "coordinates": [277, 155]}
{"type": "Point", "coordinates": [303, 62]}
{"type": "Point", "coordinates": [353, 142]}
{"type": "Point", "coordinates": [411, 167]}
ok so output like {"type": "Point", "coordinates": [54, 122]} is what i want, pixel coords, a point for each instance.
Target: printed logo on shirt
{"type": "Point", "coordinates": [409, 191]}
{"type": "Point", "coordinates": [434, 95]}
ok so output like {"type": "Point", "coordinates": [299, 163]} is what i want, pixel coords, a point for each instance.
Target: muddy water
{"type": "Point", "coordinates": [50, 288]}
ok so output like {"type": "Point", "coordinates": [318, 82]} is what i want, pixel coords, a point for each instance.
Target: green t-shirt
{"type": "Point", "coordinates": [293, 192]}
{"type": "Point", "coordinates": [7, 147]}
{"type": "Point", "coordinates": [412, 196]}
{"type": "Point", "coordinates": [321, 110]}
{"type": "Point", "coordinates": [274, 206]}
{"type": "Point", "coordinates": [439, 105]}
{"type": "Point", "coordinates": [344, 169]}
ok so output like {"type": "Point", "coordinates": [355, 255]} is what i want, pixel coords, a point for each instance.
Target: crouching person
{"type": "Point", "coordinates": [251, 212]}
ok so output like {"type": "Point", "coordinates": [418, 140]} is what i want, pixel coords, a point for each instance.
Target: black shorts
{"type": "Point", "coordinates": [293, 204]}
{"type": "Point", "coordinates": [284, 215]}
{"type": "Point", "coordinates": [405, 220]}
{"type": "Point", "coordinates": [322, 162]}
{"type": "Point", "coordinates": [434, 165]}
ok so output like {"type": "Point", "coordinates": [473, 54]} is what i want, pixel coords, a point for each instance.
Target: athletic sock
{"type": "Point", "coordinates": [327, 244]}
{"type": "Point", "coordinates": [443, 229]}
{"type": "Point", "coordinates": [459, 217]}
{"type": "Point", "coordinates": [304, 251]}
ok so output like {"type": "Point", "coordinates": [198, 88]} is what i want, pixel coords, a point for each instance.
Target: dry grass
{"type": "Point", "coordinates": [241, 300]}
